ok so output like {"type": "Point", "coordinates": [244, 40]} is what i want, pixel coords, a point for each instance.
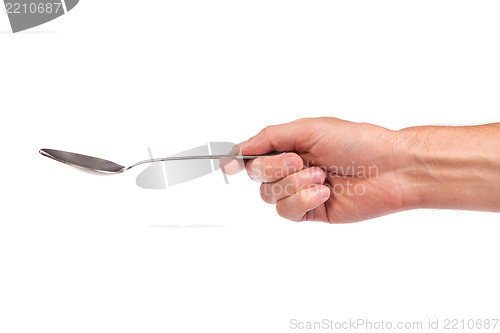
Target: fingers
{"type": "Point", "coordinates": [296, 206]}
{"type": "Point", "coordinates": [297, 194]}
{"type": "Point", "coordinates": [273, 168]}
{"type": "Point", "coordinates": [272, 192]}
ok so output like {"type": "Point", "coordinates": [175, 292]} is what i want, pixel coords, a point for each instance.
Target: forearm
{"type": "Point", "coordinates": [450, 167]}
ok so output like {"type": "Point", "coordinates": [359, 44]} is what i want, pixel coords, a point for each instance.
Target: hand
{"type": "Point", "coordinates": [336, 171]}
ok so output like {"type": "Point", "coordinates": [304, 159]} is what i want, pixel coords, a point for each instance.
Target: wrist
{"type": "Point", "coordinates": [410, 169]}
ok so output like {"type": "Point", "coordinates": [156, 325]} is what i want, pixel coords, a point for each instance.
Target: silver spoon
{"type": "Point", "coordinates": [105, 166]}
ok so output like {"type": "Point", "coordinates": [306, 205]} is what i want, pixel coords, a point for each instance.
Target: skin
{"type": "Point", "coordinates": [338, 171]}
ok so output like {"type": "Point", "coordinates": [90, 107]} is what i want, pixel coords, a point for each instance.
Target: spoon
{"type": "Point", "coordinates": [100, 165]}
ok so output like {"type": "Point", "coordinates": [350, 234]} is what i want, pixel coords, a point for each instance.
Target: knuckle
{"type": "Point", "coordinates": [290, 189]}
{"type": "Point", "coordinates": [265, 195]}
{"type": "Point", "coordinates": [259, 170]}
{"type": "Point", "coordinates": [268, 172]}
{"type": "Point", "coordinates": [319, 171]}
{"type": "Point", "coordinates": [268, 128]}
{"type": "Point", "coordinates": [254, 171]}
{"type": "Point", "coordinates": [294, 183]}
{"type": "Point", "coordinates": [281, 210]}
{"type": "Point", "coordinates": [303, 196]}
{"type": "Point", "coordinates": [251, 174]}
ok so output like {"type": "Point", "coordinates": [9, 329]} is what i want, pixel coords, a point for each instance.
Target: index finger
{"type": "Point", "coordinates": [272, 168]}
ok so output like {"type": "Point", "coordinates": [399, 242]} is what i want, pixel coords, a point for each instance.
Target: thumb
{"type": "Point", "coordinates": [278, 138]}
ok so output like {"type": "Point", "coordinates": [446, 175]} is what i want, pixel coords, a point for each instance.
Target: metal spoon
{"type": "Point", "coordinates": [105, 166]}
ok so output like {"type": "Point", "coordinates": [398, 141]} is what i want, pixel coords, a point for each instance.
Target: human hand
{"type": "Point", "coordinates": [336, 171]}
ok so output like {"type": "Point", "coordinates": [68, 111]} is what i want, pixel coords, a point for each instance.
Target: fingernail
{"type": "Point", "coordinates": [323, 192]}
{"type": "Point", "coordinates": [241, 144]}
{"type": "Point", "coordinates": [316, 176]}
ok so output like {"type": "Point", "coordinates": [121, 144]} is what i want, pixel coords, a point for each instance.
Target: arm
{"type": "Point", "coordinates": [450, 167]}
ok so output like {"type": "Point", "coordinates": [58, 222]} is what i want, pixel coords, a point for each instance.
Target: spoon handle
{"type": "Point", "coordinates": [203, 157]}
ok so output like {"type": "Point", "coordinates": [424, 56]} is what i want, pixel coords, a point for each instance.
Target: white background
{"type": "Point", "coordinates": [84, 253]}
